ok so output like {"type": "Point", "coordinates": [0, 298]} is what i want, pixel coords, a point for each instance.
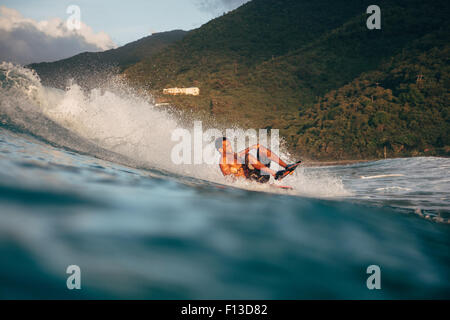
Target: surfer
{"type": "Point", "coordinates": [243, 164]}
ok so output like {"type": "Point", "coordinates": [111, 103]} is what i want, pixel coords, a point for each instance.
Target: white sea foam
{"type": "Point", "coordinates": [393, 188]}
{"type": "Point", "coordinates": [382, 176]}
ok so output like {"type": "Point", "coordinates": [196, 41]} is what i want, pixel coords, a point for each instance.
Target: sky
{"type": "Point", "coordinates": [36, 30]}
{"type": "Point", "coordinates": [126, 21]}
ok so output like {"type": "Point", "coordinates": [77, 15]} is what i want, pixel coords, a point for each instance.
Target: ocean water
{"type": "Point", "coordinates": [86, 180]}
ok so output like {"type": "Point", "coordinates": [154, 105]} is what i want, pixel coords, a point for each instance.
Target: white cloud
{"type": "Point", "coordinates": [218, 6]}
{"type": "Point", "coordinates": [24, 40]}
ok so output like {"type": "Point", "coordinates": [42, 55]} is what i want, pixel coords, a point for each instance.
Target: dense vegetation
{"type": "Point", "coordinates": [390, 110]}
{"type": "Point", "coordinates": [312, 69]}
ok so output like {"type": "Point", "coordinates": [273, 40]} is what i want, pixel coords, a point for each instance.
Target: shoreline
{"type": "Point", "coordinates": [324, 163]}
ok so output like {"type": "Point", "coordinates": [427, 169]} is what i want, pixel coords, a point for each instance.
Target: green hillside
{"type": "Point", "coordinates": [388, 108]}
{"type": "Point", "coordinates": [90, 68]}
{"type": "Point", "coordinates": [335, 89]}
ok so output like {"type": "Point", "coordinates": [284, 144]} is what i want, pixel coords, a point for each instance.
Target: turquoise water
{"type": "Point", "coordinates": [140, 230]}
{"type": "Point", "coordinates": [138, 236]}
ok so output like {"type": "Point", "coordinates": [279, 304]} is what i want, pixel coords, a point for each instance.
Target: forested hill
{"type": "Point", "coordinates": [312, 69]}
{"type": "Point", "coordinates": [88, 68]}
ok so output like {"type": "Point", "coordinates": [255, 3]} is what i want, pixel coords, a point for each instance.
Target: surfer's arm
{"type": "Point", "coordinates": [226, 163]}
{"type": "Point", "coordinates": [263, 151]}
{"type": "Point", "coordinates": [225, 169]}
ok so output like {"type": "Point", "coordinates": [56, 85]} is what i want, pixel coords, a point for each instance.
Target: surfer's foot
{"type": "Point", "coordinates": [288, 170]}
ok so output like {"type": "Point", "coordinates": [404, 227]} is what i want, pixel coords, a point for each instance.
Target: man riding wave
{"type": "Point", "coordinates": [243, 164]}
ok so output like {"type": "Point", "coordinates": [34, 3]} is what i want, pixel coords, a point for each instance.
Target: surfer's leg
{"type": "Point", "coordinates": [258, 165]}
{"type": "Point", "coordinates": [264, 152]}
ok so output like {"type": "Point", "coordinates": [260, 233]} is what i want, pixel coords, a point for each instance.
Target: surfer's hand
{"type": "Point", "coordinates": [280, 174]}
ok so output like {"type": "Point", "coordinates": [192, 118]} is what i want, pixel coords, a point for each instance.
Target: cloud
{"type": "Point", "coordinates": [24, 40]}
{"type": "Point", "coordinates": [219, 6]}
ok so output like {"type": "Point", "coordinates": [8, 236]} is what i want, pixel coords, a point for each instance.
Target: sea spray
{"type": "Point", "coordinates": [115, 120]}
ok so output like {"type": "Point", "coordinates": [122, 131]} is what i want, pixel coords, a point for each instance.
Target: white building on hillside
{"type": "Point", "coordinates": [194, 91]}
